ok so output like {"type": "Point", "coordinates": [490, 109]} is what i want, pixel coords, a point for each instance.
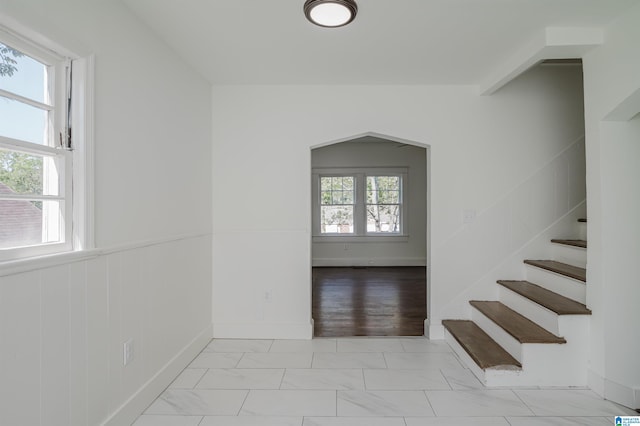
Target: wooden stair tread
{"type": "Point", "coordinates": [560, 268]}
{"type": "Point", "coordinates": [553, 301]}
{"type": "Point", "coordinates": [519, 327]}
{"type": "Point", "coordinates": [574, 243]}
{"type": "Point", "coordinates": [480, 347]}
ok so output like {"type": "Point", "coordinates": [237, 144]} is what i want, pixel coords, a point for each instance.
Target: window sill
{"type": "Point", "coordinates": [360, 238]}
{"type": "Point", "coordinates": [26, 264]}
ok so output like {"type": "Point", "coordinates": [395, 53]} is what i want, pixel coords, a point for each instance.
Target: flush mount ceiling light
{"type": "Point", "coordinates": [330, 13]}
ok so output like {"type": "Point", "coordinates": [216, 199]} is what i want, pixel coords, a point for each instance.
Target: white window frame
{"type": "Point", "coordinates": [76, 177]}
{"type": "Point", "coordinates": [360, 233]}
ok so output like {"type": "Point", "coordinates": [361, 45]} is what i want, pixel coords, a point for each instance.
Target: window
{"type": "Point", "coordinates": [383, 204]}
{"type": "Point", "coordinates": [359, 203]}
{"type": "Point", "coordinates": [36, 155]}
{"type": "Point", "coordinates": [337, 197]}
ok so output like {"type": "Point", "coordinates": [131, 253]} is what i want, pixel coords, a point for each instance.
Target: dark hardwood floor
{"type": "Point", "coordinates": [371, 301]}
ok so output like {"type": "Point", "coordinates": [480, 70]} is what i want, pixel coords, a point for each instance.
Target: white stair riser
{"type": "Point", "coordinates": [565, 286]}
{"type": "Point", "coordinates": [569, 254]}
{"type": "Point", "coordinates": [542, 364]}
{"type": "Point", "coordinates": [537, 313]}
{"type": "Point", "coordinates": [559, 364]}
{"type": "Point", "coordinates": [497, 333]}
{"type": "Point", "coordinates": [552, 365]}
{"type": "Point", "coordinates": [560, 325]}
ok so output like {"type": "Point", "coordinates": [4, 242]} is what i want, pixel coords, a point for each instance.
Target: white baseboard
{"type": "Point", "coordinates": [595, 382]}
{"type": "Point", "coordinates": [616, 392]}
{"type": "Point", "coordinates": [433, 331]}
{"type": "Point", "coordinates": [356, 261]}
{"type": "Point", "coordinates": [128, 412]}
{"type": "Point", "coordinates": [286, 331]}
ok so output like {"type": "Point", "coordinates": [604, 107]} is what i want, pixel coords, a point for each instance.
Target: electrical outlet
{"type": "Point", "coordinates": [268, 295]}
{"type": "Point", "coordinates": [127, 352]}
{"type": "Point", "coordinates": [468, 216]}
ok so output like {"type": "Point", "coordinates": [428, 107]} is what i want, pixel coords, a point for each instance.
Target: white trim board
{"type": "Point", "coordinates": [42, 262]}
{"type": "Point", "coordinates": [615, 392]}
{"type": "Point", "coordinates": [346, 262]}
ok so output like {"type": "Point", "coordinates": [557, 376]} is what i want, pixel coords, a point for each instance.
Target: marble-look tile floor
{"type": "Point", "coordinates": [353, 382]}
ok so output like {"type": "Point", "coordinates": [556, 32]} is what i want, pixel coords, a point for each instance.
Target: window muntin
{"type": "Point", "coordinates": [383, 204]}
{"type": "Point", "coordinates": [337, 198]}
{"type": "Point", "coordinates": [35, 172]}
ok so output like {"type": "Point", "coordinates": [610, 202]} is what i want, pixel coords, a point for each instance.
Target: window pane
{"type": "Point", "coordinates": [338, 197]}
{"type": "Point", "coordinates": [28, 174]}
{"type": "Point", "coordinates": [388, 197]}
{"type": "Point", "coordinates": [383, 218]}
{"type": "Point", "coordinates": [325, 184]}
{"type": "Point", "coordinates": [336, 219]}
{"type": "Point", "coordinates": [325, 197]}
{"type": "Point", "coordinates": [22, 121]}
{"type": "Point", "coordinates": [347, 183]}
{"type": "Point", "coordinates": [20, 223]}
{"type": "Point", "coordinates": [383, 189]}
{"type": "Point", "coordinates": [28, 223]}
{"type": "Point", "coordinates": [336, 190]}
{"type": "Point", "coordinates": [22, 74]}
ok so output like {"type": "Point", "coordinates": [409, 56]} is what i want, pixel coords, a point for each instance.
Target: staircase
{"type": "Point", "coordinates": [537, 333]}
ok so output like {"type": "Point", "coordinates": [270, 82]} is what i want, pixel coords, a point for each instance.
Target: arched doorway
{"type": "Point", "coordinates": [370, 245]}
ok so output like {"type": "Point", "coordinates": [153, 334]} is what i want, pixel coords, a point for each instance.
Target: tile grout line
{"type": "Point", "coordinates": [200, 379]}
{"type": "Point", "coordinates": [238, 361]}
{"type": "Point", "coordinates": [284, 372]}
{"type": "Point", "coordinates": [445, 378]}
{"type": "Point", "coordinates": [522, 400]}
{"type": "Point", "coordinates": [244, 401]}
{"type": "Point", "coordinates": [430, 404]}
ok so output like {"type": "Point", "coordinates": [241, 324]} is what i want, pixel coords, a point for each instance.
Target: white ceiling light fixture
{"type": "Point", "coordinates": [330, 13]}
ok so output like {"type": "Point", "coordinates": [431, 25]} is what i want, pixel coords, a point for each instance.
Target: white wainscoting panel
{"type": "Point", "coordinates": [62, 330]}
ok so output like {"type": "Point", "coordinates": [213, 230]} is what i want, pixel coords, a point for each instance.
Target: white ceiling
{"type": "Point", "coordinates": [390, 42]}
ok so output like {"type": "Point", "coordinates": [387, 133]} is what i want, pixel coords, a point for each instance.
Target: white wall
{"type": "Point", "coordinates": [482, 148]}
{"type": "Point", "coordinates": [411, 251]}
{"type": "Point", "coordinates": [152, 123]}
{"type": "Point", "coordinates": [63, 326]}
{"type": "Point", "coordinates": [612, 77]}
{"type": "Point", "coordinates": [62, 329]}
